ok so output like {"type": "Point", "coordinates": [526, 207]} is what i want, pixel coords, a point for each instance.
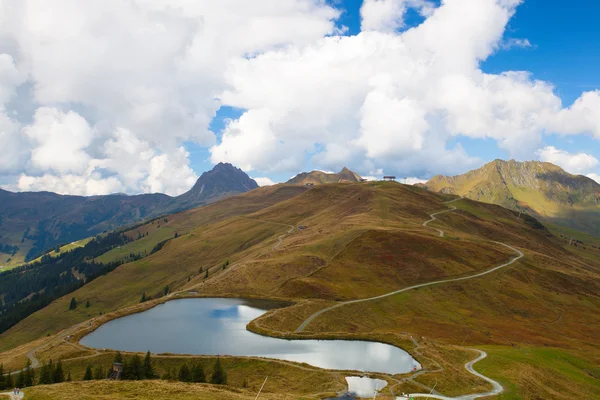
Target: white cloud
{"type": "Point", "coordinates": [388, 15]}
{"type": "Point", "coordinates": [579, 163]}
{"type": "Point", "coordinates": [169, 173]}
{"type": "Point", "coordinates": [595, 177]}
{"type": "Point", "coordinates": [59, 141]}
{"type": "Point", "coordinates": [413, 181]}
{"type": "Point", "coordinates": [514, 42]}
{"type": "Point", "coordinates": [122, 85]}
{"type": "Point", "coordinates": [264, 181]}
{"type": "Point", "coordinates": [119, 87]}
{"type": "Point", "coordinates": [394, 100]}
{"type": "Point", "coordinates": [69, 184]}
{"type": "Point", "coordinates": [581, 117]}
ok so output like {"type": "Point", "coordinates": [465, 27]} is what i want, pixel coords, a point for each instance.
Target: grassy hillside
{"type": "Point", "coordinates": [541, 189]}
{"type": "Point", "coordinates": [208, 237]}
{"type": "Point", "coordinates": [361, 240]}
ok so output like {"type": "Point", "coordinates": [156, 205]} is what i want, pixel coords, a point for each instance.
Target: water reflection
{"type": "Point", "coordinates": [218, 326]}
{"type": "Point", "coordinates": [364, 387]}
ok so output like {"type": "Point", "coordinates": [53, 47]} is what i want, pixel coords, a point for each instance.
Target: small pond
{"type": "Point", "coordinates": [218, 327]}
{"type": "Point", "coordinates": [363, 386]}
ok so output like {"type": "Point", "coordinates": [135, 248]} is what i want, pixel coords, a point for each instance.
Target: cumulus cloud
{"type": "Point", "coordinates": [59, 140]}
{"type": "Point", "coordinates": [264, 181]}
{"type": "Point", "coordinates": [579, 163]}
{"type": "Point", "coordinates": [413, 181]}
{"type": "Point", "coordinates": [119, 87]}
{"type": "Point", "coordinates": [388, 15]}
{"type": "Point", "coordinates": [389, 99]}
{"type": "Point", "coordinates": [595, 177]}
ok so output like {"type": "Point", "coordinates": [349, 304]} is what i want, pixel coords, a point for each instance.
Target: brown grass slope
{"type": "Point", "coordinates": [539, 188]}
{"type": "Point", "coordinates": [365, 239]}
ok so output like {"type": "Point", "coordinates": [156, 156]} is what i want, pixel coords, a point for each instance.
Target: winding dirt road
{"type": "Point", "coordinates": [497, 388]}
{"type": "Point", "coordinates": [512, 260]}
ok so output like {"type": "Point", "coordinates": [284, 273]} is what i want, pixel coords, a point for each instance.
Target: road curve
{"type": "Point", "coordinates": [496, 387]}
{"type": "Point", "coordinates": [511, 261]}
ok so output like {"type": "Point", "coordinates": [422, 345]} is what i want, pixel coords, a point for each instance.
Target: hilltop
{"type": "Point", "coordinates": [320, 177]}
{"type": "Point", "coordinates": [34, 222]}
{"type": "Point", "coordinates": [541, 189]}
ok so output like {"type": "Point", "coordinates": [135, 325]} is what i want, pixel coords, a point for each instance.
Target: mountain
{"type": "Point", "coordinates": [32, 222]}
{"type": "Point", "coordinates": [222, 181]}
{"type": "Point", "coordinates": [542, 189]}
{"type": "Point", "coordinates": [320, 177]}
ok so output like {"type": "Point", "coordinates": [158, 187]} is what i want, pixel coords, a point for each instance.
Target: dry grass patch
{"type": "Point", "coordinates": [146, 390]}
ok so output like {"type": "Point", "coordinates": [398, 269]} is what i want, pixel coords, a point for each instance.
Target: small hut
{"type": "Point", "coordinates": [117, 371]}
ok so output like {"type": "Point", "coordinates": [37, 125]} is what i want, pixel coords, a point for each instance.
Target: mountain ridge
{"type": "Point", "coordinates": [32, 222]}
{"type": "Point", "coordinates": [319, 177]}
{"type": "Point", "coordinates": [540, 188]}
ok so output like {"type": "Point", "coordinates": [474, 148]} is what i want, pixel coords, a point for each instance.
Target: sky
{"type": "Point", "coordinates": [106, 96]}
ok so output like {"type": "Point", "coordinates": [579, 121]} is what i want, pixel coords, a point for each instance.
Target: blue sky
{"type": "Point", "coordinates": [565, 51]}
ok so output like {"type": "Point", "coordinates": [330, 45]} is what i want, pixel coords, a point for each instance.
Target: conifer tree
{"type": "Point", "coordinates": [29, 374]}
{"type": "Point", "coordinates": [198, 375]}
{"type": "Point", "coordinates": [206, 275]}
{"type": "Point", "coordinates": [46, 374]}
{"type": "Point", "coordinates": [73, 304]}
{"type": "Point", "coordinates": [147, 369]}
{"type": "Point", "coordinates": [118, 358]}
{"type": "Point", "coordinates": [69, 377]}
{"type": "Point", "coordinates": [88, 374]}
{"type": "Point", "coordinates": [87, 304]}
{"type": "Point", "coordinates": [166, 290]}
{"type": "Point", "coordinates": [2, 379]}
{"type": "Point", "coordinates": [219, 377]}
{"type": "Point", "coordinates": [136, 368]}
{"type": "Point", "coordinates": [184, 373]}
{"type": "Point", "coordinates": [127, 371]}
{"type": "Point", "coordinates": [143, 299]}
{"type": "Point", "coordinates": [58, 374]}
{"type": "Point", "coordinates": [21, 379]}
{"type": "Point", "coordinates": [99, 373]}
{"type": "Point", "coordinates": [9, 382]}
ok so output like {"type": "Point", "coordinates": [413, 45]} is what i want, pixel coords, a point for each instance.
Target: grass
{"type": "Point", "coordinates": [285, 378]}
{"type": "Point", "coordinates": [363, 240]}
{"type": "Point", "coordinates": [526, 372]}
{"type": "Point", "coordinates": [146, 390]}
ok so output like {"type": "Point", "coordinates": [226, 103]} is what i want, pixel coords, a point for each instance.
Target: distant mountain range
{"type": "Point", "coordinates": [542, 189]}
{"type": "Point", "coordinates": [320, 177]}
{"type": "Point", "coordinates": [32, 222]}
